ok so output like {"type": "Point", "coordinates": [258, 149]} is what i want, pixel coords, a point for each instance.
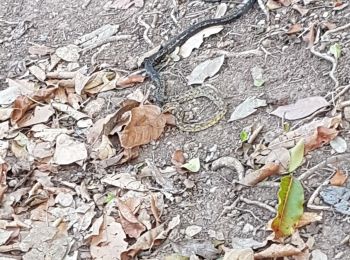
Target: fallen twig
{"type": "Point", "coordinates": [145, 33]}
{"type": "Point", "coordinates": [257, 203]}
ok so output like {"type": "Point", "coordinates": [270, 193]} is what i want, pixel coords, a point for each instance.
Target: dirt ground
{"type": "Point", "coordinates": [291, 71]}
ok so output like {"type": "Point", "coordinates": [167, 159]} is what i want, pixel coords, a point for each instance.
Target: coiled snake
{"type": "Point", "coordinates": [169, 47]}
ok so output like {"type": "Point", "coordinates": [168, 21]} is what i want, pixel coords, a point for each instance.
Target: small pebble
{"type": "Point", "coordinates": [191, 231]}
{"type": "Point", "coordinates": [64, 199]}
{"type": "Point", "coordinates": [247, 228]}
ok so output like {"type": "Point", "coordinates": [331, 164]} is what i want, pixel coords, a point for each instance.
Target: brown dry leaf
{"type": "Point", "coordinates": [321, 137]}
{"type": "Point", "coordinates": [308, 218]}
{"type": "Point", "coordinates": [295, 28]}
{"type": "Point", "coordinates": [178, 158]}
{"type": "Point", "coordinates": [40, 114]}
{"type": "Point", "coordinates": [257, 176]}
{"type": "Point", "coordinates": [131, 225]}
{"type": "Point", "coordinates": [129, 81]}
{"type": "Point", "coordinates": [339, 178]}
{"type": "Point", "coordinates": [24, 103]}
{"type": "Point", "coordinates": [309, 38]}
{"type": "Point", "coordinates": [153, 237]}
{"type": "Point", "coordinates": [146, 124]}
{"type": "Point", "coordinates": [110, 242]}
{"type": "Point", "coordinates": [101, 81]}
{"type": "Point", "coordinates": [278, 250]}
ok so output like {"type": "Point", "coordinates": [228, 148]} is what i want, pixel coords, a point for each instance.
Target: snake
{"type": "Point", "coordinates": [206, 91]}
{"type": "Point", "coordinates": [170, 46]}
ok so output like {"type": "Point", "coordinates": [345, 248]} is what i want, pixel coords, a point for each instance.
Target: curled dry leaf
{"type": "Point", "coordinates": [264, 172]}
{"type": "Point", "coordinates": [146, 124]}
{"type": "Point", "coordinates": [309, 38]}
{"type": "Point", "coordinates": [339, 178]}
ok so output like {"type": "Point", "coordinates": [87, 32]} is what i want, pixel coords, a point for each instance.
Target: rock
{"type": "Point", "coordinates": [247, 228]}
{"type": "Point", "coordinates": [64, 199]}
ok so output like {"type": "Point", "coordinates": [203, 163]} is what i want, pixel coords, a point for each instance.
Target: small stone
{"type": "Point", "coordinates": [191, 231]}
{"type": "Point", "coordinates": [178, 199]}
{"type": "Point", "coordinates": [266, 43]}
{"type": "Point", "coordinates": [247, 228]}
{"type": "Point", "coordinates": [325, 14]}
{"type": "Point", "coordinates": [189, 184]}
{"type": "Point", "coordinates": [212, 190]}
{"type": "Point", "coordinates": [213, 149]}
{"type": "Point", "coordinates": [12, 183]}
{"type": "Point", "coordinates": [64, 199]}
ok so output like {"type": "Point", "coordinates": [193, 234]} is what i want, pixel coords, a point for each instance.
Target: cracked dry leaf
{"type": "Point", "coordinates": [205, 70]}
{"type": "Point", "coordinates": [68, 150]}
{"type": "Point", "coordinates": [110, 242]}
{"type": "Point", "coordinates": [300, 109]}
{"type": "Point", "coordinates": [196, 40]}
{"type": "Point", "coordinates": [145, 125]}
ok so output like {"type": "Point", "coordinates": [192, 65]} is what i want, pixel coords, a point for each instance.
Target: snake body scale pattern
{"type": "Point", "coordinates": [210, 93]}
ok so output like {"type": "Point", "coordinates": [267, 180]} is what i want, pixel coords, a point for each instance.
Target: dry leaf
{"type": "Point", "coordinates": [248, 107]}
{"type": "Point", "coordinates": [37, 72]}
{"type": "Point", "coordinates": [205, 70]}
{"type": "Point", "coordinates": [69, 53]}
{"type": "Point", "coordinates": [257, 176]}
{"type": "Point", "coordinates": [154, 208]}
{"type": "Point", "coordinates": [125, 181]}
{"type": "Point", "coordinates": [309, 38]}
{"type": "Point", "coordinates": [302, 108]}
{"type": "Point", "coordinates": [276, 250]}
{"type": "Point", "coordinates": [303, 11]}
{"type": "Point", "coordinates": [40, 114]}
{"type": "Point", "coordinates": [239, 254]}
{"type": "Point", "coordinates": [321, 137]}
{"type": "Point", "coordinates": [131, 225]}
{"type": "Point", "coordinates": [146, 124]}
{"type": "Point", "coordinates": [272, 4]}
{"type": "Point", "coordinates": [110, 242]}
{"type": "Point", "coordinates": [308, 218]}
{"type": "Point", "coordinates": [339, 178]}
{"type": "Point", "coordinates": [129, 81]}
{"type": "Point", "coordinates": [150, 239]}
{"type": "Point", "coordinates": [295, 28]}
{"type": "Point", "coordinates": [196, 40]}
{"type": "Point", "coordinates": [68, 150]}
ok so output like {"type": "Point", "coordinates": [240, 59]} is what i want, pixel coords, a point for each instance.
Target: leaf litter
{"type": "Point", "coordinates": [46, 123]}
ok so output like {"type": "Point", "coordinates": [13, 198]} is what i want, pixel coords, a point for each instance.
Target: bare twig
{"type": "Point", "coordinates": [330, 59]}
{"type": "Point", "coordinates": [258, 203]}
{"type": "Point", "coordinates": [310, 203]}
{"type": "Point", "coordinates": [145, 33]}
{"type": "Point", "coordinates": [104, 41]}
{"type": "Point", "coordinates": [325, 36]}
{"type": "Point", "coordinates": [264, 9]}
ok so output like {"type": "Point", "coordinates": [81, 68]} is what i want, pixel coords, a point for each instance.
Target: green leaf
{"type": "Point", "coordinates": [244, 136]}
{"type": "Point", "coordinates": [192, 165]}
{"type": "Point", "coordinates": [335, 49]}
{"type": "Point", "coordinates": [296, 156]}
{"type": "Point", "coordinates": [110, 197]}
{"type": "Point", "coordinates": [258, 82]}
{"type": "Point", "coordinates": [290, 206]}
